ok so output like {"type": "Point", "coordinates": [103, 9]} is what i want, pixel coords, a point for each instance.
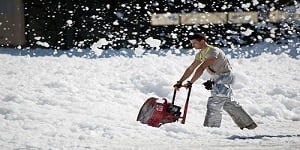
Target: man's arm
{"type": "Point", "coordinates": [209, 61]}
{"type": "Point", "coordinates": [190, 70]}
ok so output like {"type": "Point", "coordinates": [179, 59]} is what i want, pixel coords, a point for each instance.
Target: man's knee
{"type": "Point", "coordinates": [231, 105]}
{"type": "Point", "coordinates": [215, 104]}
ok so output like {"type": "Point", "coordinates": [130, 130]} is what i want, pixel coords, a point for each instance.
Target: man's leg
{"type": "Point", "coordinates": [220, 94]}
{"type": "Point", "coordinates": [239, 115]}
{"type": "Point", "coordinates": [213, 115]}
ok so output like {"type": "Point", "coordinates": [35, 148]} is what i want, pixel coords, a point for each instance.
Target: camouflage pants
{"type": "Point", "coordinates": [221, 97]}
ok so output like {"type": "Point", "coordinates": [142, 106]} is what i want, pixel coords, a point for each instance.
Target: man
{"type": "Point", "coordinates": [215, 62]}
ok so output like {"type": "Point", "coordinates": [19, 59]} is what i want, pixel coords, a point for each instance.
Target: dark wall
{"type": "Point", "coordinates": [80, 23]}
{"type": "Point", "coordinates": [12, 23]}
{"type": "Point", "coordinates": [66, 24]}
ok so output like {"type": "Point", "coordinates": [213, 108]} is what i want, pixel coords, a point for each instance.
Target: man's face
{"type": "Point", "coordinates": [197, 44]}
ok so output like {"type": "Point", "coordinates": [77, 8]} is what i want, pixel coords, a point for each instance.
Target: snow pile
{"type": "Point", "coordinates": [78, 103]}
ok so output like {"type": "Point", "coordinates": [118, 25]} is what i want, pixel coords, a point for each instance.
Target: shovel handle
{"type": "Point", "coordinates": [186, 106]}
{"type": "Point", "coordinates": [174, 95]}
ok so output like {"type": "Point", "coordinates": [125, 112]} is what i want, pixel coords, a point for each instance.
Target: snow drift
{"type": "Point", "coordinates": [68, 102]}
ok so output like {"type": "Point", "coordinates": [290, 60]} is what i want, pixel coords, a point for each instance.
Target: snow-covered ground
{"type": "Point", "coordinates": [67, 102]}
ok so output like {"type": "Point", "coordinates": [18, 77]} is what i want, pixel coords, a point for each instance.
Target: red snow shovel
{"type": "Point", "coordinates": [156, 112]}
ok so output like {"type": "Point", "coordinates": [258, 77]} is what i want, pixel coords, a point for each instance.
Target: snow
{"type": "Point", "coordinates": [45, 44]}
{"type": "Point", "coordinates": [132, 41]}
{"type": "Point", "coordinates": [248, 32]}
{"type": "Point", "coordinates": [96, 47]}
{"type": "Point", "coordinates": [255, 2]}
{"type": "Point", "coordinates": [199, 5]}
{"type": "Point", "coordinates": [246, 6]}
{"type": "Point", "coordinates": [270, 40]}
{"type": "Point", "coordinates": [153, 42]}
{"type": "Point", "coordinates": [69, 22]}
{"type": "Point", "coordinates": [64, 101]}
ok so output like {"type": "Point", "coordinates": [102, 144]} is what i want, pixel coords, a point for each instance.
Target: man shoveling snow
{"type": "Point", "coordinates": [215, 62]}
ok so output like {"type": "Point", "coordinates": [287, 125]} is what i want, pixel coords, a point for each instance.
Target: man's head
{"type": "Point", "coordinates": [198, 40]}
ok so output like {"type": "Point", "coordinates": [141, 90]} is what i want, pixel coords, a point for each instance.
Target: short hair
{"type": "Point", "coordinates": [198, 36]}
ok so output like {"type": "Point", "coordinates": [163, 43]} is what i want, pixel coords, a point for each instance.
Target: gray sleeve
{"type": "Point", "coordinates": [213, 52]}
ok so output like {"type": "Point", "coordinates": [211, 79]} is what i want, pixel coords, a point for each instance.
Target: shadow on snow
{"type": "Point", "coordinates": [236, 137]}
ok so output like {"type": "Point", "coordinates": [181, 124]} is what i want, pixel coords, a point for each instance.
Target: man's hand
{"type": "Point", "coordinates": [188, 84]}
{"type": "Point", "coordinates": [208, 84]}
{"type": "Point", "coordinates": [178, 85]}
